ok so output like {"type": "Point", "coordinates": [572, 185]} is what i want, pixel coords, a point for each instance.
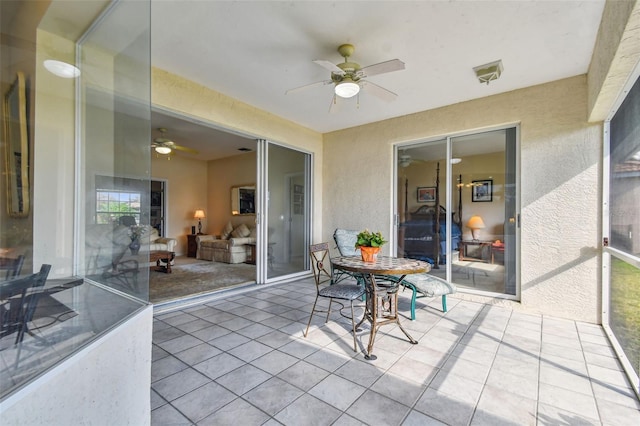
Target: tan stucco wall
{"type": "Point", "coordinates": [560, 169]}
{"type": "Point", "coordinates": [615, 55]}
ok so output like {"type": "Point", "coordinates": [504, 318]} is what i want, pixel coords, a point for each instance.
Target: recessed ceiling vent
{"type": "Point", "coordinates": [489, 72]}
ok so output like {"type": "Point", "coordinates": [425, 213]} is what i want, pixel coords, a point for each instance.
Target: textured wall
{"type": "Point", "coordinates": [560, 166]}
{"type": "Point", "coordinates": [615, 56]}
{"type": "Point", "coordinates": [105, 383]}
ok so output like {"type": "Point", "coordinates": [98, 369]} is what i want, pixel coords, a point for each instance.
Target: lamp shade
{"type": "Point", "coordinates": [199, 214]}
{"type": "Point", "coordinates": [475, 222]}
{"type": "Point", "coordinates": [347, 88]}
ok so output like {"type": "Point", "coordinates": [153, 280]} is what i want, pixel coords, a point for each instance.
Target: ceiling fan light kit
{"type": "Point", "coordinates": [347, 88]}
{"type": "Point", "coordinates": [163, 150]}
{"type": "Point", "coordinates": [349, 78]}
{"type": "Point", "coordinates": [165, 146]}
{"type": "Point", "coordinates": [489, 72]}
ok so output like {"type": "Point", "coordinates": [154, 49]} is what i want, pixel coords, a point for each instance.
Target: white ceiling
{"type": "Point", "coordinates": [254, 51]}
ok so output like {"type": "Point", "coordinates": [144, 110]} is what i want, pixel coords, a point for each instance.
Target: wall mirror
{"type": "Point", "coordinates": [243, 200]}
{"type": "Point", "coordinates": [17, 148]}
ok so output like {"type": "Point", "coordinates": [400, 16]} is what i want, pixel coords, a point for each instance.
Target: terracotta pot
{"type": "Point", "coordinates": [369, 254]}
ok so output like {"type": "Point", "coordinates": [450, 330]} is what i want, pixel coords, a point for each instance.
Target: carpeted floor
{"type": "Point", "coordinates": [191, 277]}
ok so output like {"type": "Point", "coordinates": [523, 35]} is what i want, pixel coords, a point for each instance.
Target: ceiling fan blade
{"type": "Point", "coordinates": [379, 91]}
{"type": "Point", "coordinates": [330, 66]}
{"type": "Point", "coordinates": [382, 67]}
{"type": "Point", "coordinates": [308, 86]}
{"type": "Point", "coordinates": [184, 149]}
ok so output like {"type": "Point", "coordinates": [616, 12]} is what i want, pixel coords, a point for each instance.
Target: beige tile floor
{"type": "Point", "coordinates": [242, 360]}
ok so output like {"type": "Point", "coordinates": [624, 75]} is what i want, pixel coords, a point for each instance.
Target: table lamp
{"type": "Point", "coordinates": [199, 215]}
{"type": "Point", "coordinates": [475, 224]}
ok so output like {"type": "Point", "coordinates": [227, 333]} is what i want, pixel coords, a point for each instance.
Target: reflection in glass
{"type": "Point", "coordinates": [288, 211]}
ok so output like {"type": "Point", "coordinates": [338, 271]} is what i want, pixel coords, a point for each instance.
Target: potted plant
{"type": "Point", "coordinates": [369, 244]}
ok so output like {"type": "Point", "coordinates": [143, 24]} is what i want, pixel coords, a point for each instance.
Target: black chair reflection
{"type": "Point", "coordinates": [19, 298]}
{"type": "Point", "coordinates": [13, 266]}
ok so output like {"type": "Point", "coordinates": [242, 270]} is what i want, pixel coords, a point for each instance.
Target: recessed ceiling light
{"type": "Point", "coordinates": [61, 69]}
{"type": "Point", "coordinates": [244, 149]}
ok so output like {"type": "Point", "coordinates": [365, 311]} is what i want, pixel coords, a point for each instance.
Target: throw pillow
{"type": "Point", "coordinates": [253, 232]}
{"type": "Point", "coordinates": [226, 231]}
{"type": "Point", "coordinates": [241, 231]}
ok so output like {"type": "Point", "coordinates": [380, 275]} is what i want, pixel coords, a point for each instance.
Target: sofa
{"type": "Point", "coordinates": [229, 247]}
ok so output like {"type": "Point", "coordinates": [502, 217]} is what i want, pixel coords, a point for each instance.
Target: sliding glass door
{"type": "Point", "coordinates": [457, 209]}
{"type": "Point", "coordinates": [283, 211]}
{"type": "Point", "coordinates": [621, 257]}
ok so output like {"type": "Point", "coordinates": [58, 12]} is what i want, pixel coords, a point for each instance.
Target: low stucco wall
{"type": "Point", "coordinates": [560, 175]}
{"type": "Point", "coordinates": [105, 383]}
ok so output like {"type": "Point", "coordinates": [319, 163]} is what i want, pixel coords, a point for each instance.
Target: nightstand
{"type": "Point", "coordinates": [192, 244]}
{"type": "Point", "coordinates": [481, 253]}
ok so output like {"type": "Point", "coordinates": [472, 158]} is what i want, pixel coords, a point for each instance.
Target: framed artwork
{"type": "Point", "coordinates": [426, 194]}
{"type": "Point", "coordinates": [482, 190]}
{"type": "Point", "coordinates": [17, 148]}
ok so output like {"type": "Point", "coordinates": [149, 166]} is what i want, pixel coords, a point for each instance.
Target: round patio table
{"type": "Point", "coordinates": [382, 279]}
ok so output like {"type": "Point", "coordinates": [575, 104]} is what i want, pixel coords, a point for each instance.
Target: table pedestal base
{"type": "Point", "coordinates": [381, 309]}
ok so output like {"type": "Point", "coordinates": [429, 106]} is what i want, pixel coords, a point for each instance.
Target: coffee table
{"type": "Point", "coordinates": [162, 256]}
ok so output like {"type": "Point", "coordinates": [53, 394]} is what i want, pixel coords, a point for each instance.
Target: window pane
{"type": "Point", "coordinates": [625, 175]}
{"type": "Point", "coordinates": [624, 317]}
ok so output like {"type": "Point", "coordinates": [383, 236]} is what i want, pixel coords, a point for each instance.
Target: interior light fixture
{"type": "Point", "coordinates": [475, 223]}
{"type": "Point", "coordinates": [199, 214]}
{"type": "Point", "coordinates": [489, 72]}
{"type": "Point", "coordinates": [163, 150]}
{"type": "Point", "coordinates": [61, 69]}
{"type": "Point", "coordinates": [347, 88]}
{"type": "Point", "coordinates": [456, 160]}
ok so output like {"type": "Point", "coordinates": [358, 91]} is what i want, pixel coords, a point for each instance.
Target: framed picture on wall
{"type": "Point", "coordinates": [427, 194]}
{"type": "Point", "coordinates": [482, 190]}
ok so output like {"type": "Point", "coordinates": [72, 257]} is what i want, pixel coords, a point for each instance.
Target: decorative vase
{"type": "Point", "coordinates": [369, 254]}
{"type": "Point", "coordinates": [134, 246]}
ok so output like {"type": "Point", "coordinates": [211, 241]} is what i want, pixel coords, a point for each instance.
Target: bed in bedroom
{"type": "Point", "coordinates": [421, 237]}
{"type": "Point", "coordinates": [424, 231]}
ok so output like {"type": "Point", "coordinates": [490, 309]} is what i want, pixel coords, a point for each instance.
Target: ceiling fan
{"type": "Point", "coordinates": [405, 160]}
{"type": "Point", "coordinates": [348, 77]}
{"type": "Point", "coordinates": [162, 145]}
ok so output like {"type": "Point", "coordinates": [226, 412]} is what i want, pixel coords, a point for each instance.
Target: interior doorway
{"type": "Point", "coordinates": [157, 209]}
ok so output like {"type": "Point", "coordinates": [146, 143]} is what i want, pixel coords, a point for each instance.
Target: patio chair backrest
{"type": "Point", "coordinates": [346, 241]}
{"type": "Point", "coordinates": [320, 263]}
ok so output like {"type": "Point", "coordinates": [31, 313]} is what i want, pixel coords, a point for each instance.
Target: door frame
{"type": "Point", "coordinates": [449, 201]}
